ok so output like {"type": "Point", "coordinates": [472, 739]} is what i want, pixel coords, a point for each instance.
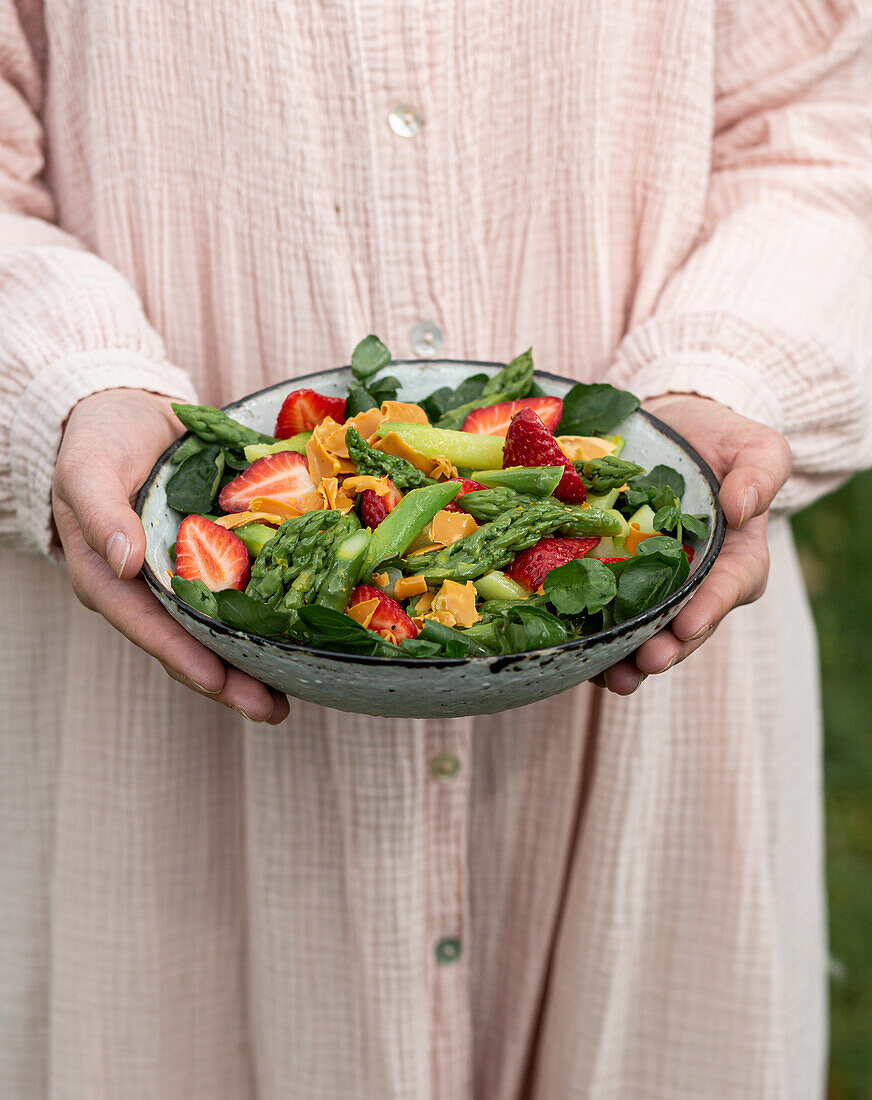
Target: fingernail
{"type": "Point", "coordinates": [750, 503]}
{"type": "Point", "coordinates": [668, 665]}
{"type": "Point", "coordinates": [701, 633]}
{"type": "Point", "coordinates": [117, 552]}
{"type": "Point", "coordinates": [204, 690]}
{"type": "Point", "coordinates": [248, 716]}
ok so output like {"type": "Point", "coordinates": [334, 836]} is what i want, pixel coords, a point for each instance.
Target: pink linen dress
{"type": "Point", "coordinates": [593, 897]}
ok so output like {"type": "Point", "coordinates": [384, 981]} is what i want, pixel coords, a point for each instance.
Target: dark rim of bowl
{"type": "Point", "coordinates": [613, 632]}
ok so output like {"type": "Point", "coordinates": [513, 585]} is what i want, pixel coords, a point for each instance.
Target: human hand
{"type": "Point", "coordinates": [751, 462]}
{"type": "Point", "coordinates": [110, 443]}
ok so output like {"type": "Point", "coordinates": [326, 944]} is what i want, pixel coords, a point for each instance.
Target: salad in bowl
{"type": "Point", "coordinates": [482, 521]}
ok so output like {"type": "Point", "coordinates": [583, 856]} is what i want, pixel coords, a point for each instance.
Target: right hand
{"type": "Point", "coordinates": [110, 443]}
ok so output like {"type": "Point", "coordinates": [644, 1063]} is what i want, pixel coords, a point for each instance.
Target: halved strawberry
{"type": "Point", "coordinates": [529, 443]}
{"type": "Point", "coordinates": [689, 551]}
{"type": "Point", "coordinates": [373, 508]}
{"type": "Point", "coordinates": [388, 615]}
{"type": "Point", "coordinates": [303, 410]}
{"type": "Point", "coordinates": [210, 553]}
{"type": "Point", "coordinates": [466, 486]}
{"type": "Point", "coordinates": [282, 476]}
{"type": "Point", "coordinates": [532, 566]}
{"type": "Point", "coordinates": [495, 419]}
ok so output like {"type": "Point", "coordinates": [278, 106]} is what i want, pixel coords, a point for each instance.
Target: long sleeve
{"type": "Point", "coordinates": [70, 325]}
{"type": "Point", "coordinates": [771, 313]}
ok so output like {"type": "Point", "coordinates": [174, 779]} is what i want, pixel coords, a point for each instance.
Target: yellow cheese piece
{"type": "Point", "coordinates": [321, 462]}
{"type": "Point", "coordinates": [444, 617]}
{"type": "Point", "coordinates": [636, 536]}
{"type": "Point", "coordinates": [583, 448]}
{"type": "Point", "coordinates": [334, 496]}
{"type": "Point", "coordinates": [277, 507]}
{"type": "Point", "coordinates": [239, 519]}
{"type": "Point", "coordinates": [388, 636]}
{"type": "Point", "coordinates": [424, 602]}
{"type": "Point", "coordinates": [361, 482]}
{"type": "Point", "coordinates": [409, 586]}
{"type": "Point", "coordinates": [459, 601]}
{"type": "Point", "coordinates": [381, 579]}
{"type": "Point", "coordinates": [448, 527]}
{"type": "Point", "coordinates": [365, 423]}
{"type": "Point", "coordinates": [362, 612]}
{"type": "Point", "coordinates": [403, 412]}
{"type": "Point", "coordinates": [426, 549]}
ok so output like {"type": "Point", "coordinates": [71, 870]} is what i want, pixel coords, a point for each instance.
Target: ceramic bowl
{"type": "Point", "coordinates": [435, 687]}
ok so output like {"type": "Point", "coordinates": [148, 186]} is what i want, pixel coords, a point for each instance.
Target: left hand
{"type": "Point", "coordinates": [751, 462]}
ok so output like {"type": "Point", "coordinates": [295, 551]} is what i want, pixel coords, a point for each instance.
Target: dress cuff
{"type": "Point", "coordinates": [43, 408]}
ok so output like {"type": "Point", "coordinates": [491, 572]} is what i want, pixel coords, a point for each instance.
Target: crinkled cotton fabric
{"type": "Point", "coordinates": [610, 897]}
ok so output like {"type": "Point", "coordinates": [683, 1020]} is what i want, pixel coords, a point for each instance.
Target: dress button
{"type": "Point", "coordinates": [426, 339]}
{"type": "Point", "coordinates": [405, 120]}
{"type": "Point", "coordinates": [448, 950]}
{"type": "Point", "coordinates": [444, 765]}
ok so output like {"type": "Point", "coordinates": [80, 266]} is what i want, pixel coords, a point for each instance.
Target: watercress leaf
{"type": "Point", "coordinates": [384, 389]}
{"type": "Point", "coordinates": [242, 612]}
{"type": "Point", "coordinates": [582, 585]}
{"type": "Point", "coordinates": [236, 460]}
{"type": "Point", "coordinates": [697, 525]}
{"type": "Point", "coordinates": [369, 357]}
{"type": "Point", "coordinates": [666, 519]}
{"type": "Point", "coordinates": [660, 544]}
{"type": "Point", "coordinates": [328, 629]}
{"type": "Point", "coordinates": [595, 407]}
{"type": "Point", "coordinates": [524, 628]}
{"type": "Point", "coordinates": [193, 486]}
{"type": "Point", "coordinates": [196, 595]}
{"type": "Point", "coordinates": [454, 643]}
{"type": "Point", "coordinates": [445, 398]}
{"type": "Point", "coordinates": [646, 581]}
{"type": "Point", "coordinates": [658, 477]}
{"type": "Point", "coordinates": [359, 399]}
{"type": "Point", "coordinates": [421, 647]}
{"type": "Point", "coordinates": [191, 446]}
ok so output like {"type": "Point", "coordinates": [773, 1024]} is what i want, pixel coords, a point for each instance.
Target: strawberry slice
{"type": "Point", "coordinates": [207, 552]}
{"type": "Point", "coordinates": [388, 615]}
{"type": "Point", "coordinates": [529, 443]}
{"type": "Point", "coordinates": [605, 561]}
{"type": "Point", "coordinates": [283, 476]}
{"type": "Point", "coordinates": [689, 551]}
{"type": "Point", "coordinates": [495, 419]}
{"type": "Point", "coordinates": [531, 567]}
{"type": "Point", "coordinates": [303, 410]}
{"type": "Point", "coordinates": [466, 486]}
{"type": "Point", "coordinates": [373, 508]}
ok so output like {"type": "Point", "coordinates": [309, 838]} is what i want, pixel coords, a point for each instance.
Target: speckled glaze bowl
{"type": "Point", "coordinates": [435, 687]}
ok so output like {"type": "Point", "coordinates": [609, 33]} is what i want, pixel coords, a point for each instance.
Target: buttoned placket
{"type": "Point", "coordinates": [449, 766]}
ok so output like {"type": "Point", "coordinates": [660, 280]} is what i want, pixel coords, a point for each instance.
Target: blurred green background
{"type": "Point", "coordinates": [835, 544]}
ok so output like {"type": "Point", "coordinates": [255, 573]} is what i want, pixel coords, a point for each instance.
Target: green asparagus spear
{"type": "Point", "coordinates": [487, 504]}
{"type": "Point", "coordinates": [369, 461]}
{"type": "Point", "coordinates": [407, 520]}
{"type": "Point", "coordinates": [512, 382]}
{"type": "Point", "coordinates": [215, 426]}
{"type": "Point", "coordinates": [602, 474]}
{"type": "Point", "coordinates": [344, 573]}
{"type": "Point", "coordinates": [494, 545]}
{"type": "Point", "coordinates": [538, 481]}
{"type": "Point", "coordinates": [294, 564]}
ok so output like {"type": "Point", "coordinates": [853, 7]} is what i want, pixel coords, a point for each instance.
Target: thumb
{"type": "Point", "coordinates": [760, 467]}
{"type": "Point", "coordinates": [100, 503]}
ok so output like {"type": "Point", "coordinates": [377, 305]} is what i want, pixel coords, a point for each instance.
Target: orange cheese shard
{"type": "Point", "coordinates": [321, 462]}
{"type": "Point", "coordinates": [409, 586]}
{"type": "Point", "coordinates": [277, 507]}
{"type": "Point", "coordinates": [444, 617]}
{"type": "Point", "coordinates": [426, 549]}
{"type": "Point", "coordinates": [381, 579]}
{"type": "Point", "coordinates": [388, 636]}
{"type": "Point", "coordinates": [424, 602]}
{"type": "Point", "coordinates": [239, 519]}
{"type": "Point", "coordinates": [362, 612]}
{"type": "Point", "coordinates": [583, 448]}
{"type": "Point", "coordinates": [403, 412]}
{"type": "Point", "coordinates": [333, 496]}
{"type": "Point", "coordinates": [636, 536]}
{"type": "Point", "coordinates": [393, 444]}
{"type": "Point", "coordinates": [365, 424]}
{"type": "Point", "coordinates": [459, 601]}
{"type": "Point", "coordinates": [448, 527]}
{"type": "Point", "coordinates": [360, 482]}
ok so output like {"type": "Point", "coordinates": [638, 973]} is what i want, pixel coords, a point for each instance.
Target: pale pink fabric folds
{"type": "Point", "coordinates": [608, 898]}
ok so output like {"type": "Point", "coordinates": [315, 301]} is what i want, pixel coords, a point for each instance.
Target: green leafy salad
{"type": "Point", "coordinates": [488, 519]}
